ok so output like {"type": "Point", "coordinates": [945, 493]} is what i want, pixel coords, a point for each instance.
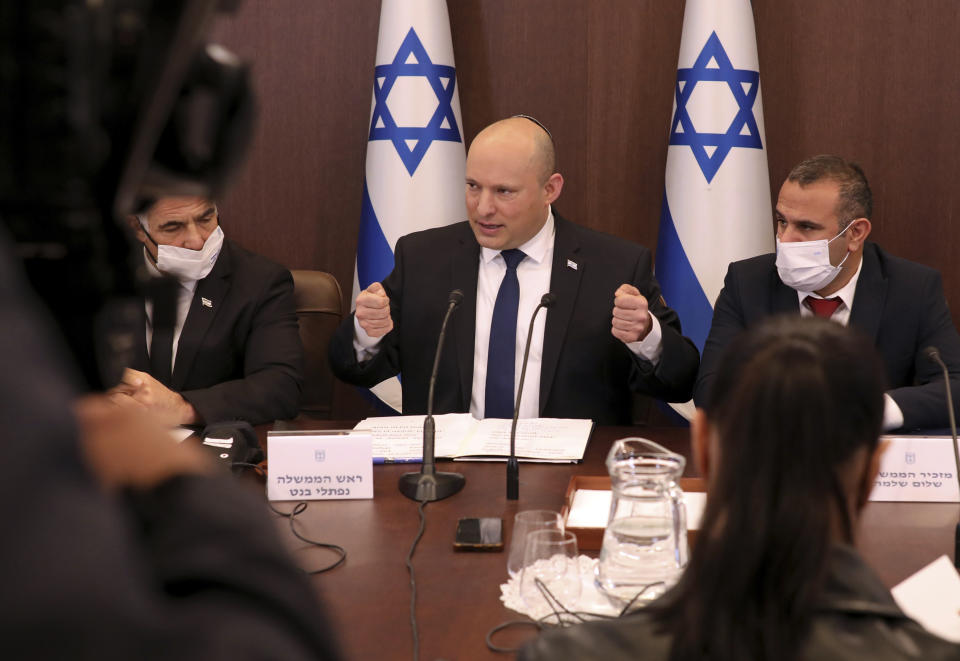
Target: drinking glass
{"type": "Point", "coordinates": [525, 523]}
{"type": "Point", "coordinates": [550, 556]}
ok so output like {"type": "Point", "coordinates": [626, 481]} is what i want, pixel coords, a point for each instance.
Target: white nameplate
{"type": "Point", "coordinates": [917, 469]}
{"type": "Point", "coordinates": [319, 465]}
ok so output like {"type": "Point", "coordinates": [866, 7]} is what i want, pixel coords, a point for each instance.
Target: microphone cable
{"type": "Point", "coordinates": [413, 581]}
{"type": "Point", "coordinates": [559, 617]}
{"type": "Point", "coordinates": [291, 516]}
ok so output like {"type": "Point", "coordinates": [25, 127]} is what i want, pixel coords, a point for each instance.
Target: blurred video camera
{"type": "Point", "coordinates": [106, 105]}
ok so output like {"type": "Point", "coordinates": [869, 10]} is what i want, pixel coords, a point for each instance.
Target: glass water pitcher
{"type": "Point", "coordinates": [645, 543]}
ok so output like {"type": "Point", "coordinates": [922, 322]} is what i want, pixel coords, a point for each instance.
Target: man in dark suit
{"type": "Point", "coordinates": [825, 266]}
{"type": "Point", "coordinates": [233, 350]}
{"type": "Point", "coordinates": [608, 333]}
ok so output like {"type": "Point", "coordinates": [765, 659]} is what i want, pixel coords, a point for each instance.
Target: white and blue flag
{"type": "Point", "coordinates": [716, 206]}
{"type": "Point", "coordinates": [416, 161]}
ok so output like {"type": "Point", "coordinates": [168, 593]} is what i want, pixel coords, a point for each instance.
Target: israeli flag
{"type": "Point", "coordinates": [416, 161]}
{"type": "Point", "coordinates": [716, 207]}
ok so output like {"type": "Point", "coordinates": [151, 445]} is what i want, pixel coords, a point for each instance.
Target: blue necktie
{"type": "Point", "coordinates": [501, 356]}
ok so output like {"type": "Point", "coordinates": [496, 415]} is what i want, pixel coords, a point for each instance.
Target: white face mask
{"type": "Point", "coordinates": [185, 264]}
{"type": "Point", "coordinates": [805, 265]}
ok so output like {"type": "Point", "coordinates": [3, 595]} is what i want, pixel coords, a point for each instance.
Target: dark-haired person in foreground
{"type": "Point", "coordinates": [824, 266]}
{"type": "Point", "coordinates": [789, 447]}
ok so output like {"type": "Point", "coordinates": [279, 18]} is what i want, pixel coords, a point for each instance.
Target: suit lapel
{"type": "Point", "coordinates": [565, 275]}
{"type": "Point", "coordinates": [464, 269]}
{"type": "Point", "coordinates": [785, 300]}
{"type": "Point", "coordinates": [207, 299]}
{"type": "Point", "coordinates": [140, 360]}
{"type": "Point", "coordinates": [870, 295]}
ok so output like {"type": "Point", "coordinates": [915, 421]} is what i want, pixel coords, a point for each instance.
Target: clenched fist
{"type": "Point", "coordinates": [373, 311]}
{"type": "Point", "coordinates": [631, 316]}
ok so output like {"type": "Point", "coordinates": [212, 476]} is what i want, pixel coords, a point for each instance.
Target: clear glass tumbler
{"type": "Point", "coordinates": [550, 561]}
{"type": "Point", "coordinates": [524, 523]}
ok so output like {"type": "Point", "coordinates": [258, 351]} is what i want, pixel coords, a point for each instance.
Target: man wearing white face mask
{"type": "Point", "coordinates": [234, 350]}
{"type": "Point", "coordinates": [824, 266]}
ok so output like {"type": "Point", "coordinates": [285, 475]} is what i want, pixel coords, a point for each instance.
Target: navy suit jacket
{"type": "Point", "coordinates": [898, 303]}
{"type": "Point", "coordinates": [586, 372]}
{"type": "Point", "coordinates": [240, 357]}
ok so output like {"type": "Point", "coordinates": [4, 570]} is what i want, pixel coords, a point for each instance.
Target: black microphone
{"type": "Point", "coordinates": [513, 466]}
{"type": "Point", "coordinates": [934, 354]}
{"type": "Point", "coordinates": [429, 485]}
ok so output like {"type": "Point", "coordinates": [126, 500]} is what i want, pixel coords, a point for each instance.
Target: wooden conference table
{"type": "Point", "coordinates": [458, 594]}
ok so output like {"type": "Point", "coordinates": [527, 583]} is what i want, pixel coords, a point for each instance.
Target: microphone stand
{"type": "Point", "coordinates": [428, 485]}
{"type": "Point", "coordinates": [513, 465]}
{"type": "Point", "coordinates": [934, 354]}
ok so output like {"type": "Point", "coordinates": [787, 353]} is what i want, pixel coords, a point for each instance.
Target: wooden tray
{"type": "Point", "coordinates": [590, 539]}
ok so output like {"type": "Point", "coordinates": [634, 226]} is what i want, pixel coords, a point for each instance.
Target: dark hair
{"type": "Point", "coordinates": [794, 400]}
{"type": "Point", "coordinates": [855, 201]}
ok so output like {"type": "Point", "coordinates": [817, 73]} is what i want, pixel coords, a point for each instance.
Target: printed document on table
{"type": "Point", "coordinates": [461, 436]}
{"type": "Point", "coordinates": [401, 436]}
{"type": "Point", "coordinates": [539, 439]}
{"type": "Point", "coordinates": [932, 598]}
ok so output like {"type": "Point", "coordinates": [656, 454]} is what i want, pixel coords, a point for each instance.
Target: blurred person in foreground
{"type": "Point", "coordinates": [120, 543]}
{"type": "Point", "coordinates": [790, 447]}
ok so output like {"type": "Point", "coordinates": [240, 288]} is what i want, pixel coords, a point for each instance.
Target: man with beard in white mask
{"type": "Point", "coordinates": [825, 266]}
{"type": "Point", "coordinates": [234, 351]}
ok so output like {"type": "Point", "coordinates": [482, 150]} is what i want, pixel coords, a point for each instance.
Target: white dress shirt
{"type": "Point", "coordinates": [892, 415]}
{"type": "Point", "coordinates": [184, 298]}
{"type": "Point", "coordinates": [533, 273]}
{"type": "Point", "coordinates": [534, 276]}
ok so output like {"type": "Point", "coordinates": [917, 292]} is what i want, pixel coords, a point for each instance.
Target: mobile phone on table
{"type": "Point", "coordinates": [484, 534]}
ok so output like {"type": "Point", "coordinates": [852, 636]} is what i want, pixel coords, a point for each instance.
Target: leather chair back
{"type": "Point", "coordinates": [318, 300]}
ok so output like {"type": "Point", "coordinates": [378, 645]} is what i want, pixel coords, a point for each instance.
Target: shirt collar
{"type": "Point", "coordinates": [845, 293]}
{"type": "Point", "coordinates": [536, 248]}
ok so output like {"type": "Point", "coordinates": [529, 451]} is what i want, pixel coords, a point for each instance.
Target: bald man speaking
{"type": "Point", "coordinates": [608, 334]}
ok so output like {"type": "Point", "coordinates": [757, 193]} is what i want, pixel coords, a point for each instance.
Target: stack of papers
{"type": "Point", "coordinates": [932, 598]}
{"type": "Point", "coordinates": [463, 437]}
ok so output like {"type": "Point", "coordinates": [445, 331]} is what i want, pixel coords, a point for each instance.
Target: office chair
{"type": "Point", "coordinates": [318, 301]}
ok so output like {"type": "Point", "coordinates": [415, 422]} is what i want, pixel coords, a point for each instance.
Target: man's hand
{"type": "Point", "coordinates": [140, 390]}
{"type": "Point", "coordinates": [631, 317]}
{"type": "Point", "coordinates": [125, 447]}
{"type": "Point", "coordinates": [373, 311]}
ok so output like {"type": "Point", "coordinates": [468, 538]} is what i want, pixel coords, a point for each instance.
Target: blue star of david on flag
{"type": "Point", "coordinates": [742, 132]}
{"type": "Point", "coordinates": [412, 60]}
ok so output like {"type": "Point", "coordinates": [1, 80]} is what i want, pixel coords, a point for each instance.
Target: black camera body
{"type": "Point", "coordinates": [104, 107]}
